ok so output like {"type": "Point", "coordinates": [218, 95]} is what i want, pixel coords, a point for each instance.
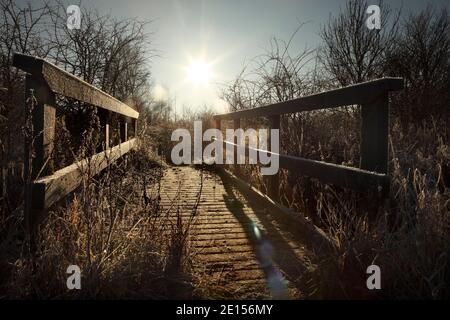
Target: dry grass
{"type": "Point", "coordinates": [408, 236]}
{"type": "Point", "coordinates": [111, 229]}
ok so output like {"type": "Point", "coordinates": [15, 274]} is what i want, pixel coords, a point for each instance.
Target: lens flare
{"type": "Point", "coordinates": [199, 72]}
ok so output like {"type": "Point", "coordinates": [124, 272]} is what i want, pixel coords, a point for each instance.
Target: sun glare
{"type": "Point", "coordinates": [199, 73]}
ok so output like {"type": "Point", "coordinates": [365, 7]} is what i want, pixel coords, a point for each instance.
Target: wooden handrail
{"type": "Point", "coordinates": [360, 93]}
{"type": "Point", "coordinates": [374, 100]}
{"type": "Point", "coordinates": [43, 82]}
{"type": "Point", "coordinates": [343, 176]}
{"type": "Point", "coordinates": [50, 189]}
{"type": "Point", "coordinates": [62, 82]}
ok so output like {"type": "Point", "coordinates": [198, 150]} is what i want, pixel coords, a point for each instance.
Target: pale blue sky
{"type": "Point", "coordinates": [229, 32]}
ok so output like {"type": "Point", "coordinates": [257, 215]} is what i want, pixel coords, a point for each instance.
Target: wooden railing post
{"type": "Point", "coordinates": [236, 125]}
{"type": "Point", "coordinates": [373, 96]}
{"type": "Point", "coordinates": [274, 180]}
{"type": "Point", "coordinates": [217, 124]}
{"type": "Point", "coordinates": [40, 143]}
{"type": "Point", "coordinates": [43, 186]}
{"type": "Point", "coordinates": [375, 134]}
{"type": "Point", "coordinates": [106, 136]}
{"type": "Point", "coordinates": [105, 119]}
{"type": "Point", "coordinates": [44, 119]}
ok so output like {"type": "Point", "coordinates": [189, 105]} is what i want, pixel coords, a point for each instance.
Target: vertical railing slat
{"type": "Point", "coordinates": [38, 150]}
{"type": "Point", "coordinates": [107, 136]}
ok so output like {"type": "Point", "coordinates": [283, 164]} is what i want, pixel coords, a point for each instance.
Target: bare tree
{"type": "Point", "coordinates": [112, 54]}
{"type": "Point", "coordinates": [109, 53]}
{"type": "Point", "coordinates": [277, 75]}
{"type": "Point", "coordinates": [353, 53]}
{"type": "Point", "coordinates": [422, 57]}
{"type": "Point", "coordinates": [20, 31]}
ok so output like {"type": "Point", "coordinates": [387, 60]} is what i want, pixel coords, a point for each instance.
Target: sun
{"type": "Point", "coordinates": [199, 72]}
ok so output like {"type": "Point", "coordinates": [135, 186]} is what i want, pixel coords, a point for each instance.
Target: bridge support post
{"type": "Point", "coordinates": [237, 168]}
{"type": "Point", "coordinates": [41, 116]}
{"type": "Point", "coordinates": [217, 124]}
{"type": "Point", "coordinates": [274, 180]}
{"type": "Point", "coordinates": [105, 120]}
{"type": "Point", "coordinates": [44, 120]}
{"type": "Point", "coordinates": [375, 135]}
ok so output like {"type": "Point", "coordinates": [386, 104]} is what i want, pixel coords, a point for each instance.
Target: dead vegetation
{"type": "Point", "coordinates": [111, 229]}
{"type": "Point", "coordinates": [407, 235]}
{"type": "Point", "coordinates": [111, 226]}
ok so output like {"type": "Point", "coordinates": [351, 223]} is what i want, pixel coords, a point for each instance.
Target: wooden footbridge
{"type": "Point", "coordinates": [241, 239]}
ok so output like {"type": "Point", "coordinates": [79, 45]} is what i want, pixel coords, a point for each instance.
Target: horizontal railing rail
{"type": "Point", "coordinates": [66, 84]}
{"type": "Point", "coordinates": [361, 93]}
{"type": "Point", "coordinates": [49, 189]}
{"type": "Point", "coordinates": [374, 100]}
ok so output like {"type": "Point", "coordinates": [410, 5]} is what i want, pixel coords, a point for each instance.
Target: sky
{"type": "Point", "coordinates": [225, 35]}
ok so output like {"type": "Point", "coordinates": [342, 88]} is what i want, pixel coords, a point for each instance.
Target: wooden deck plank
{"type": "Point", "coordinates": [224, 243]}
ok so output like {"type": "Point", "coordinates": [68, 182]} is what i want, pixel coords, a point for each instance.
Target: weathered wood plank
{"type": "Point", "coordinates": [274, 180]}
{"type": "Point", "coordinates": [247, 226]}
{"type": "Point", "coordinates": [50, 189]}
{"type": "Point", "coordinates": [311, 232]}
{"type": "Point", "coordinates": [347, 177]}
{"type": "Point", "coordinates": [63, 83]}
{"type": "Point", "coordinates": [107, 136]}
{"type": "Point", "coordinates": [237, 125]}
{"type": "Point", "coordinates": [365, 92]}
{"type": "Point", "coordinates": [44, 121]}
